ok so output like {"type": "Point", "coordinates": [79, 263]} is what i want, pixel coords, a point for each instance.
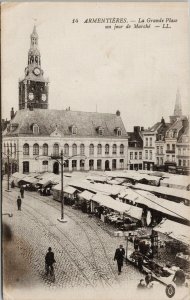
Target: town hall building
{"type": "Point", "coordinates": [89, 140]}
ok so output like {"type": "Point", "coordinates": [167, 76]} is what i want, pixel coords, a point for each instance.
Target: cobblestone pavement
{"type": "Point", "coordinates": [83, 250]}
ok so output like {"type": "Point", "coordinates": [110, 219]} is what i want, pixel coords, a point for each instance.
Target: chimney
{"type": "Point", "coordinates": [118, 113]}
{"type": "Point", "coordinates": [136, 129]}
{"type": "Point", "coordinates": [142, 128]}
{"type": "Point", "coordinates": [163, 121]}
{"type": "Point", "coordinates": [12, 113]}
{"type": "Point", "coordinates": [185, 123]}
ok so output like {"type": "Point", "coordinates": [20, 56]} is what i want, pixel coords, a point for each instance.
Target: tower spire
{"type": "Point", "coordinates": [178, 108]}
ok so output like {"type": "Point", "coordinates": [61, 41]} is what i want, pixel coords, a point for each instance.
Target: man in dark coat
{"type": "Point", "coordinates": [22, 192]}
{"type": "Point", "coordinates": [119, 256]}
{"type": "Point", "coordinates": [19, 201]}
{"type": "Point", "coordinates": [49, 261]}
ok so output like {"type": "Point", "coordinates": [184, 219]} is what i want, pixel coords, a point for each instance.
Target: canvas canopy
{"type": "Point", "coordinates": [70, 190]}
{"type": "Point", "coordinates": [178, 210]}
{"type": "Point", "coordinates": [132, 211]}
{"type": "Point", "coordinates": [29, 179]}
{"type": "Point", "coordinates": [176, 181]}
{"type": "Point", "coordinates": [106, 189]}
{"type": "Point", "coordinates": [164, 190]}
{"type": "Point", "coordinates": [174, 230]}
{"type": "Point", "coordinates": [86, 195]}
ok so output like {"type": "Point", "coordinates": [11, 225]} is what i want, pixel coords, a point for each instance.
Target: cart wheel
{"type": "Point", "coordinates": [170, 290]}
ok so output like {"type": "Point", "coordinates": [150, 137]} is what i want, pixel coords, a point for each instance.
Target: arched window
{"type": "Point", "coordinates": [74, 149]}
{"type": "Point", "coordinates": [107, 149]}
{"type": "Point", "coordinates": [99, 149]}
{"type": "Point", "coordinates": [114, 149]}
{"type": "Point", "coordinates": [91, 149]}
{"type": "Point", "coordinates": [26, 149]}
{"type": "Point", "coordinates": [35, 149]}
{"type": "Point", "coordinates": [121, 149]}
{"type": "Point", "coordinates": [35, 129]}
{"type": "Point", "coordinates": [56, 149]}
{"type": "Point", "coordinates": [45, 149]}
{"type": "Point", "coordinates": [82, 149]}
{"type": "Point", "coordinates": [66, 149]}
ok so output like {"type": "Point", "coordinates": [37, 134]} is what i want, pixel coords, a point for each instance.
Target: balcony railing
{"type": "Point", "coordinates": [170, 151]}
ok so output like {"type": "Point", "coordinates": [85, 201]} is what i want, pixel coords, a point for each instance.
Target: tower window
{"type": "Point", "coordinates": [118, 131]}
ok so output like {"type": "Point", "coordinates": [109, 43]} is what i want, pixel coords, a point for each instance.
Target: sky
{"type": "Point", "coordinates": [136, 71]}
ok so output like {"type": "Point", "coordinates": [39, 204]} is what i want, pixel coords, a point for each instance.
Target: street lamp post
{"type": "Point", "coordinates": [61, 160]}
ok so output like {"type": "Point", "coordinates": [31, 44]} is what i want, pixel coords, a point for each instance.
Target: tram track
{"type": "Point", "coordinates": [93, 265]}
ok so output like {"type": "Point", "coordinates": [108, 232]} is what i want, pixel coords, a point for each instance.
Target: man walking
{"type": "Point", "coordinates": [19, 201]}
{"type": "Point", "coordinates": [49, 261]}
{"type": "Point", "coordinates": [22, 192]}
{"type": "Point", "coordinates": [119, 256]}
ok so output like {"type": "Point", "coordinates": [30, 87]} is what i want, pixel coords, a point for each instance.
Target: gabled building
{"type": "Point", "coordinates": [151, 140]}
{"type": "Point", "coordinates": [89, 140]}
{"type": "Point", "coordinates": [135, 149]}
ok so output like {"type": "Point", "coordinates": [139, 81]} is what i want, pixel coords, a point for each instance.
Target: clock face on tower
{"type": "Point", "coordinates": [36, 71]}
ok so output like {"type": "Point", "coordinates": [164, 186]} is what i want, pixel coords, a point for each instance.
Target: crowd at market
{"type": "Point", "coordinates": [152, 210]}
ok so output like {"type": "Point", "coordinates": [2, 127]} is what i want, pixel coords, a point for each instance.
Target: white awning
{"type": "Point", "coordinates": [69, 190]}
{"type": "Point", "coordinates": [178, 210]}
{"type": "Point", "coordinates": [86, 195]}
{"type": "Point", "coordinates": [174, 230]}
{"type": "Point", "coordinates": [164, 190]}
{"type": "Point", "coordinates": [132, 211]}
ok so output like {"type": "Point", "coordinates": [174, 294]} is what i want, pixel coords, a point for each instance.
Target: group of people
{"type": "Point", "coordinates": [147, 282]}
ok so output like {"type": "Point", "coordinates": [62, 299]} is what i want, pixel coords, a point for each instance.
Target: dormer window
{"type": "Point", "coordinates": [118, 131]}
{"type": "Point", "coordinates": [100, 130]}
{"type": "Point", "coordinates": [73, 129]}
{"type": "Point", "coordinates": [35, 129]}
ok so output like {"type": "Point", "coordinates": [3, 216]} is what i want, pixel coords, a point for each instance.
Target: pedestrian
{"type": "Point", "coordinates": [148, 278]}
{"type": "Point", "coordinates": [141, 285]}
{"type": "Point", "coordinates": [49, 261]}
{"type": "Point", "coordinates": [22, 192]}
{"type": "Point", "coordinates": [179, 277]}
{"type": "Point", "coordinates": [119, 256]}
{"type": "Point", "coordinates": [19, 202]}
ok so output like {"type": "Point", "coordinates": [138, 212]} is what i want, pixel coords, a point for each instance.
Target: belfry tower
{"type": "Point", "coordinates": [33, 89]}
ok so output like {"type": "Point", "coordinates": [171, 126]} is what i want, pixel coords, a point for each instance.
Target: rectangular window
{"type": "Point", "coordinates": [184, 163]}
{"type": "Point", "coordinates": [157, 160]}
{"type": "Point", "coordinates": [161, 150]}
{"type": "Point", "coordinates": [157, 149]}
{"type": "Point", "coordinates": [173, 147]}
{"type": "Point", "coordinates": [168, 147]}
{"type": "Point", "coordinates": [150, 153]}
{"type": "Point", "coordinates": [161, 161]}
{"type": "Point", "coordinates": [173, 158]}
{"type": "Point", "coordinates": [150, 142]}
{"type": "Point", "coordinates": [146, 154]}
{"type": "Point", "coordinates": [168, 157]}
{"type": "Point", "coordinates": [136, 155]}
{"type": "Point", "coordinates": [140, 155]}
{"type": "Point", "coordinates": [131, 155]}
{"type": "Point", "coordinates": [146, 143]}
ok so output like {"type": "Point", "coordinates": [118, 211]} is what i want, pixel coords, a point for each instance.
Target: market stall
{"type": "Point", "coordinates": [176, 181]}
{"type": "Point", "coordinates": [172, 194]}
{"type": "Point", "coordinates": [115, 212]}
{"type": "Point", "coordinates": [177, 239]}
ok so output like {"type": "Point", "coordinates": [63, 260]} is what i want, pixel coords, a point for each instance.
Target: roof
{"type": "Point", "coordinates": [51, 120]}
{"type": "Point", "coordinates": [132, 211]}
{"type": "Point", "coordinates": [182, 194]}
{"type": "Point", "coordinates": [174, 230]}
{"type": "Point", "coordinates": [86, 195]}
{"type": "Point", "coordinates": [177, 181]}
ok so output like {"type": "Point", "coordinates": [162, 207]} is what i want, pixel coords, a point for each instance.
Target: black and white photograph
{"type": "Point", "coordinates": [95, 150]}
